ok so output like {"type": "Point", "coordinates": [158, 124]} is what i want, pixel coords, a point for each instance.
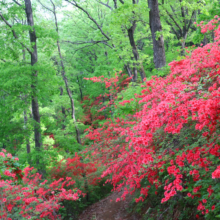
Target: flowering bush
{"type": "Point", "coordinates": [173, 142]}
{"type": "Point", "coordinates": [76, 169]}
{"type": "Point", "coordinates": [104, 105]}
{"type": "Point", "coordinates": [28, 196]}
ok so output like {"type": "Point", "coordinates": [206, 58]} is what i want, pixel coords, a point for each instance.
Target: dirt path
{"type": "Point", "coordinates": [109, 209]}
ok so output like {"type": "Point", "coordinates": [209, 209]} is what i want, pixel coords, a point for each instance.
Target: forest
{"type": "Point", "coordinates": [110, 109]}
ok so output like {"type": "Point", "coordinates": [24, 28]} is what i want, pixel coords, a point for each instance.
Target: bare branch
{"type": "Point", "coordinates": [176, 33]}
{"type": "Point", "coordinates": [107, 45]}
{"type": "Point", "coordinates": [55, 16]}
{"type": "Point", "coordinates": [13, 32]}
{"type": "Point", "coordinates": [53, 4]}
{"type": "Point", "coordinates": [16, 2]}
{"type": "Point", "coordinates": [81, 48]}
{"type": "Point", "coordinates": [115, 4]}
{"type": "Point", "coordinates": [104, 4]}
{"type": "Point", "coordinates": [172, 18]}
{"type": "Point", "coordinates": [190, 21]}
{"type": "Point", "coordinates": [83, 20]}
{"type": "Point", "coordinates": [183, 16]}
{"type": "Point", "coordinates": [83, 42]}
{"type": "Point", "coordinates": [6, 22]}
{"type": "Point", "coordinates": [173, 11]}
{"type": "Point", "coordinates": [45, 6]}
{"type": "Point", "coordinates": [88, 42]}
{"type": "Point", "coordinates": [89, 16]}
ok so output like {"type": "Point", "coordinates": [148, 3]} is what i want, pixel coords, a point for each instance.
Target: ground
{"type": "Point", "coordinates": [109, 209]}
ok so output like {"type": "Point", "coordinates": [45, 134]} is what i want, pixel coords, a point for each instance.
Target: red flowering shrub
{"type": "Point", "coordinates": [76, 169]}
{"type": "Point", "coordinates": [104, 104]}
{"type": "Point", "coordinates": [30, 197]}
{"type": "Point", "coordinates": [173, 143]}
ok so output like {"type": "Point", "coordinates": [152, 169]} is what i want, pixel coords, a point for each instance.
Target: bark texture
{"type": "Point", "coordinates": [34, 101]}
{"type": "Point", "coordinates": [155, 26]}
{"type": "Point", "coordinates": [137, 65]}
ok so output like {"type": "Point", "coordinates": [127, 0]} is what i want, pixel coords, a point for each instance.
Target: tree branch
{"type": "Point", "coordinates": [84, 42]}
{"type": "Point", "coordinates": [88, 42]}
{"type": "Point", "coordinates": [45, 6]}
{"type": "Point", "coordinates": [173, 10]}
{"type": "Point", "coordinates": [174, 21]}
{"type": "Point", "coordinates": [13, 32]}
{"type": "Point", "coordinates": [176, 33]}
{"type": "Point", "coordinates": [102, 3]}
{"type": "Point", "coordinates": [16, 2]}
{"type": "Point", "coordinates": [115, 4]}
{"type": "Point", "coordinates": [190, 21]}
{"type": "Point", "coordinates": [89, 16]}
{"type": "Point", "coordinates": [81, 48]}
{"type": "Point", "coordinates": [183, 16]}
{"type": "Point", "coordinates": [55, 16]}
{"type": "Point", "coordinates": [121, 1]}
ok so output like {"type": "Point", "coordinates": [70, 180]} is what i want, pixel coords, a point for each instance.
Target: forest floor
{"type": "Point", "coordinates": [109, 209]}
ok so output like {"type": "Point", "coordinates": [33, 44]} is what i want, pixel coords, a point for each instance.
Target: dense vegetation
{"type": "Point", "coordinates": [109, 95]}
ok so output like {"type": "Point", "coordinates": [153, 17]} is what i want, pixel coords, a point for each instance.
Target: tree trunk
{"type": "Point", "coordinates": [183, 45]}
{"type": "Point", "coordinates": [28, 147]}
{"type": "Point", "coordinates": [63, 110]}
{"type": "Point", "coordinates": [155, 26]}
{"type": "Point", "coordinates": [80, 89]}
{"type": "Point", "coordinates": [129, 72]}
{"type": "Point", "coordinates": [34, 101]}
{"type": "Point", "coordinates": [25, 126]}
{"type": "Point", "coordinates": [137, 66]}
{"type": "Point", "coordinates": [70, 97]}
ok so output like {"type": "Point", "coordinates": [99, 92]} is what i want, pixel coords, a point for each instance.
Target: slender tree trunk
{"type": "Point", "coordinates": [34, 101]}
{"type": "Point", "coordinates": [155, 26]}
{"type": "Point", "coordinates": [70, 97]}
{"type": "Point", "coordinates": [80, 89]}
{"type": "Point", "coordinates": [115, 4]}
{"type": "Point", "coordinates": [137, 66]}
{"type": "Point", "coordinates": [25, 126]}
{"type": "Point", "coordinates": [129, 72]}
{"type": "Point", "coordinates": [28, 147]}
{"type": "Point", "coordinates": [63, 72]}
{"type": "Point", "coordinates": [135, 73]}
{"type": "Point", "coordinates": [63, 110]}
{"type": "Point", "coordinates": [183, 45]}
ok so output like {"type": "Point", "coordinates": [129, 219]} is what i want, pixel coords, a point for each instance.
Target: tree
{"type": "Point", "coordinates": [34, 101]}
{"type": "Point", "coordinates": [156, 28]}
{"type": "Point", "coordinates": [129, 28]}
{"type": "Point", "coordinates": [34, 77]}
{"type": "Point", "coordinates": [180, 17]}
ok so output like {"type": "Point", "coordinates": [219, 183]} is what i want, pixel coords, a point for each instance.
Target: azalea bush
{"type": "Point", "coordinates": [171, 147]}
{"type": "Point", "coordinates": [77, 169]}
{"type": "Point", "coordinates": [24, 195]}
{"type": "Point", "coordinates": [103, 106]}
{"type": "Point", "coordinates": [86, 174]}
